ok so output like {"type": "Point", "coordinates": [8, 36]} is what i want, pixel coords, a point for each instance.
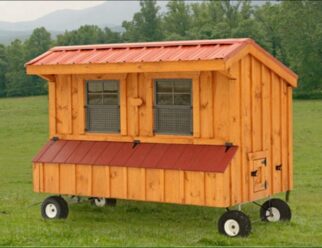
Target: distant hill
{"type": "Point", "coordinates": [110, 14]}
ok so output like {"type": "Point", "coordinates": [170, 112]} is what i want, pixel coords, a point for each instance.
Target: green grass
{"type": "Point", "coordinates": [23, 130]}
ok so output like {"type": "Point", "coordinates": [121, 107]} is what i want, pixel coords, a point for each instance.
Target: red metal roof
{"type": "Point", "coordinates": [141, 52]}
{"type": "Point", "coordinates": [207, 158]}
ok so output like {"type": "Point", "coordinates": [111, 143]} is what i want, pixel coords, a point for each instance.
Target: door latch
{"type": "Point", "coordinates": [278, 167]}
{"type": "Point", "coordinates": [254, 173]}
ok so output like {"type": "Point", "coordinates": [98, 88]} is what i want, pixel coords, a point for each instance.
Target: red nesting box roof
{"type": "Point", "coordinates": [142, 52]}
{"type": "Point", "coordinates": [206, 158]}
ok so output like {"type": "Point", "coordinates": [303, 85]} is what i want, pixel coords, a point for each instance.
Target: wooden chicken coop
{"type": "Point", "coordinates": [206, 122]}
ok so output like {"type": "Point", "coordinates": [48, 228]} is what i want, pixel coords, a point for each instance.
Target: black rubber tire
{"type": "Point", "coordinates": [111, 202]}
{"type": "Point", "coordinates": [283, 208]}
{"type": "Point", "coordinates": [242, 219]}
{"type": "Point", "coordinates": [65, 208]}
{"type": "Point", "coordinates": [60, 206]}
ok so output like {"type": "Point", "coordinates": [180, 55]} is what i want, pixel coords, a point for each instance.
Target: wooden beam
{"type": "Point", "coordinates": [177, 66]}
{"type": "Point", "coordinates": [50, 78]}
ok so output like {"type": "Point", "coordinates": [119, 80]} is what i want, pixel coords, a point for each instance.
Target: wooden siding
{"type": "Point", "coordinates": [196, 188]}
{"type": "Point", "coordinates": [250, 106]}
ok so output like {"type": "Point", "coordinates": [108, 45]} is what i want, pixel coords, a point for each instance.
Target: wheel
{"type": "Point", "coordinates": [54, 207]}
{"type": "Point", "coordinates": [65, 209]}
{"type": "Point", "coordinates": [234, 223]}
{"type": "Point", "coordinates": [102, 202]}
{"type": "Point", "coordinates": [99, 202]}
{"type": "Point", "coordinates": [275, 210]}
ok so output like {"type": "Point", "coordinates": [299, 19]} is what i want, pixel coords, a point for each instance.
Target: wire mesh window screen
{"type": "Point", "coordinates": [103, 110]}
{"type": "Point", "coordinates": [173, 108]}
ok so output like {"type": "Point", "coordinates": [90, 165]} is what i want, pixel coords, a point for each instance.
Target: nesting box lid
{"type": "Point", "coordinates": [188, 157]}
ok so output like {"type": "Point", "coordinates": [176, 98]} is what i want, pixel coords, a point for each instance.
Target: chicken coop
{"type": "Point", "coordinates": [205, 122]}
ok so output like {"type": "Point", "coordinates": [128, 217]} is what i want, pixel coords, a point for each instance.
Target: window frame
{"type": "Point", "coordinates": [117, 106]}
{"type": "Point", "coordinates": [176, 106]}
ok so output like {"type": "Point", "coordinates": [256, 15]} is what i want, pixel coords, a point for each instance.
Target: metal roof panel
{"type": "Point", "coordinates": [207, 158]}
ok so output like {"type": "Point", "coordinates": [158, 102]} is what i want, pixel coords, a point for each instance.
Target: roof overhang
{"type": "Point", "coordinates": [204, 55]}
{"type": "Point", "coordinates": [177, 66]}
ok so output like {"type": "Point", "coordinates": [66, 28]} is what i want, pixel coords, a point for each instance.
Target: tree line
{"type": "Point", "coordinates": [290, 30]}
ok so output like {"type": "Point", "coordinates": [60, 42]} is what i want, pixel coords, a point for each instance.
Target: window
{"type": "Point", "coordinates": [173, 108]}
{"type": "Point", "coordinates": [103, 110]}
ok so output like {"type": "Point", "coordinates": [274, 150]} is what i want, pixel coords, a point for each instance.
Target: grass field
{"type": "Point", "coordinates": [23, 130]}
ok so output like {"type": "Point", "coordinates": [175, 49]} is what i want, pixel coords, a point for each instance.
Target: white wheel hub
{"type": "Point", "coordinates": [231, 227]}
{"type": "Point", "coordinates": [51, 210]}
{"type": "Point", "coordinates": [100, 202]}
{"type": "Point", "coordinates": [273, 214]}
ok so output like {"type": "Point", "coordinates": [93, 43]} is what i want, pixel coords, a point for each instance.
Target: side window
{"type": "Point", "coordinates": [103, 110]}
{"type": "Point", "coordinates": [173, 106]}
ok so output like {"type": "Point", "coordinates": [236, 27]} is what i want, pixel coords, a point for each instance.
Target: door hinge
{"type": "Point", "coordinates": [264, 161]}
{"type": "Point", "coordinates": [265, 184]}
{"type": "Point", "coordinates": [254, 173]}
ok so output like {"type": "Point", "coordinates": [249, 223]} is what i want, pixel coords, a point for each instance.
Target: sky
{"type": "Point", "coordinates": [16, 11]}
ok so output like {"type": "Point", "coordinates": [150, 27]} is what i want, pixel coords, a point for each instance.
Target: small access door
{"type": "Point", "coordinates": [258, 174]}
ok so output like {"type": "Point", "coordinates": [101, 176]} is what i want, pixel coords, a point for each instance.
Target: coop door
{"type": "Point", "coordinates": [258, 174]}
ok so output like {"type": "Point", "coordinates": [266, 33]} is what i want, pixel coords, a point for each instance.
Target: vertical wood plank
{"type": "Point", "coordinates": [246, 131]}
{"type": "Point", "coordinates": [290, 137]}
{"type": "Point", "coordinates": [99, 181]}
{"type": "Point", "coordinates": [194, 188]}
{"type": "Point", "coordinates": [206, 103]}
{"type": "Point", "coordinates": [276, 132]}
{"type": "Point", "coordinates": [182, 187]}
{"type": "Point", "coordinates": [266, 99]}
{"type": "Point", "coordinates": [52, 109]}
{"type": "Point", "coordinates": [134, 185]}
{"type": "Point", "coordinates": [221, 107]}
{"type": "Point", "coordinates": [41, 178]}
{"type": "Point", "coordinates": [236, 182]}
{"type": "Point", "coordinates": [143, 119]}
{"type": "Point", "coordinates": [118, 182]}
{"type": "Point", "coordinates": [123, 103]}
{"type": "Point", "coordinates": [171, 186]}
{"type": "Point", "coordinates": [75, 106]}
{"type": "Point", "coordinates": [83, 180]}
{"type": "Point", "coordinates": [196, 106]}
{"type": "Point", "coordinates": [67, 179]}
{"type": "Point", "coordinates": [51, 178]}
{"type": "Point", "coordinates": [149, 106]}
{"type": "Point", "coordinates": [36, 177]}
{"type": "Point", "coordinates": [81, 104]}
{"type": "Point", "coordinates": [284, 141]}
{"type": "Point", "coordinates": [222, 189]}
{"type": "Point", "coordinates": [153, 186]}
{"type": "Point", "coordinates": [210, 192]}
{"type": "Point", "coordinates": [132, 111]}
{"type": "Point", "coordinates": [67, 105]}
{"type": "Point", "coordinates": [256, 106]}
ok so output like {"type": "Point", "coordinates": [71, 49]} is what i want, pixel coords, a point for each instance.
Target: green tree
{"type": "Point", "coordinates": [15, 77]}
{"type": "Point", "coordinates": [38, 43]}
{"type": "Point", "coordinates": [3, 68]}
{"type": "Point", "coordinates": [177, 20]}
{"type": "Point", "coordinates": [87, 34]}
{"type": "Point", "coordinates": [145, 25]}
{"type": "Point", "coordinates": [111, 36]}
{"type": "Point", "coordinates": [301, 36]}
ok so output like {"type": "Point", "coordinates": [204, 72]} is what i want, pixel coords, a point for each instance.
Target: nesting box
{"type": "Point", "coordinates": [205, 122]}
